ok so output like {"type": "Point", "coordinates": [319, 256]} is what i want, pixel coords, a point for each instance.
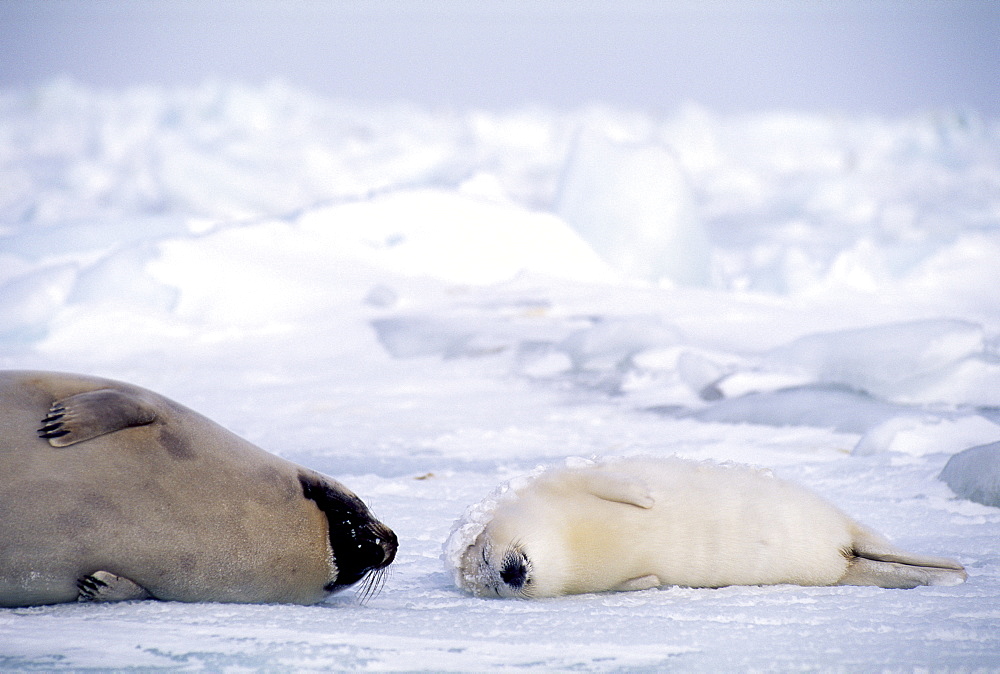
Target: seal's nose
{"type": "Point", "coordinates": [386, 539]}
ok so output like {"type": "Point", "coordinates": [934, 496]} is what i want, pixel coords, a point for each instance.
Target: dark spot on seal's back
{"type": "Point", "coordinates": [177, 446]}
{"type": "Point", "coordinates": [98, 502]}
{"type": "Point", "coordinates": [71, 523]}
{"type": "Point", "coordinates": [286, 488]}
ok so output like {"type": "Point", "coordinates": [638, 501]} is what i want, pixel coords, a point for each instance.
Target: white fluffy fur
{"type": "Point", "coordinates": [643, 522]}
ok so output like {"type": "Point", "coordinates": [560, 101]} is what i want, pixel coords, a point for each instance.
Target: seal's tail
{"type": "Point", "coordinates": [874, 561]}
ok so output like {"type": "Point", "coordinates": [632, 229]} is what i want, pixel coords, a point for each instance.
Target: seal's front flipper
{"type": "Point", "coordinates": [106, 586]}
{"type": "Point", "coordinates": [641, 583]}
{"type": "Point", "coordinates": [618, 487]}
{"type": "Point", "coordinates": [89, 415]}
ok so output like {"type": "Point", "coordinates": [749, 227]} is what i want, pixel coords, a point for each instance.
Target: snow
{"type": "Point", "coordinates": [633, 204]}
{"type": "Point", "coordinates": [414, 302]}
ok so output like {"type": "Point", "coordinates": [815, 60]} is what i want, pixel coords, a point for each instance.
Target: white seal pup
{"type": "Point", "coordinates": [109, 491]}
{"type": "Point", "coordinates": [638, 523]}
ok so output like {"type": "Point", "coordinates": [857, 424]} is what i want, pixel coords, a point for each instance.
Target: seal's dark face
{"type": "Point", "coordinates": [360, 543]}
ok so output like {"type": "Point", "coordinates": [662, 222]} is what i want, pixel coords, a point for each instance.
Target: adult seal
{"type": "Point", "coordinates": [639, 523]}
{"type": "Point", "coordinates": [109, 491]}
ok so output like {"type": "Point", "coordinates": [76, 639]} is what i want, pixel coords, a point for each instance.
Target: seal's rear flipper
{"type": "Point", "coordinates": [106, 586]}
{"type": "Point", "coordinates": [897, 575]}
{"type": "Point", "coordinates": [876, 562]}
{"type": "Point", "coordinates": [89, 415]}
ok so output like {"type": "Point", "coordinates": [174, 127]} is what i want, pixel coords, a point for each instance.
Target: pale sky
{"type": "Point", "coordinates": [883, 56]}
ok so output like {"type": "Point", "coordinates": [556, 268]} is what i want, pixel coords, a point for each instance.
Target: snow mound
{"type": "Point", "coordinates": [30, 299]}
{"type": "Point", "coordinates": [920, 434]}
{"type": "Point", "coordinates": [898, 361]}
{"type": "Point", "coordinates": [611, 343]}
{"type": "Point", "coordinates": [633, 204]}
{"type": "Point", "coordinates": [453, 237]}
{"type": "Point", "coordinates": [974, 474]}
{"type": "Point", "coordinates": [944, 362]}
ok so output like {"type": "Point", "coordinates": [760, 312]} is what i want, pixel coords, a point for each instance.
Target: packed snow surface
{"type": "Point", "coordinates": [426, 303]}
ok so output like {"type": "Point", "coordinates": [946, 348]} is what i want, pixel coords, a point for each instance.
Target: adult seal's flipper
{"type": "Point", "coordinates": [106, 586]}
{"type": "Point", "coordinates": [89, 415]}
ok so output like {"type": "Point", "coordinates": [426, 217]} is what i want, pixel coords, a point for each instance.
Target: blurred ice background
{"type": "Point", "coordinates": [424, 247]}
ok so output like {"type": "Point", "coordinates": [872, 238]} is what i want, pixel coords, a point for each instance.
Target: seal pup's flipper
{"type": "Point", "coordinates": [641, 583]}
{"type": "Point", "coordinates": [862, 571]}
{"type": "Point", "coordinates": [876, 562]}
{"type": "Point", "coordinates": [85, 416]}
{"type": "Point", "coordinates": [618, 488]}
{"type": "Point", "coordinates": [106, 586]}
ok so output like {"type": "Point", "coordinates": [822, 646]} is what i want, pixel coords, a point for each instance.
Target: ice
{"type": "Point", "coordinates": [459, 239]}
{"type": "Point", "coordinates": [408, 300]}
{"type": "Point", "coordinates": [610, 343]}
{"type": "Point", "coordinates": [822, 405]}
{"type": "Point", "coordinates": [632, 203]}
{"type": "Point", "coordinates": [894, 361]}
{"type": "Point", "coordinates": [975, 474]}
{"type": "Point", "coordinates": [924, 434]}
{"type": "Point", "coordinates": [30, 299]}
{"type": "Point", "coordinates": [121, 278]}
{"type": "Point", "coordinates": [944, 362]}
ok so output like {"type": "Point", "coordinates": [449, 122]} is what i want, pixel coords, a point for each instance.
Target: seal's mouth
{"type": "Point", "coordinates": [362, 546]}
